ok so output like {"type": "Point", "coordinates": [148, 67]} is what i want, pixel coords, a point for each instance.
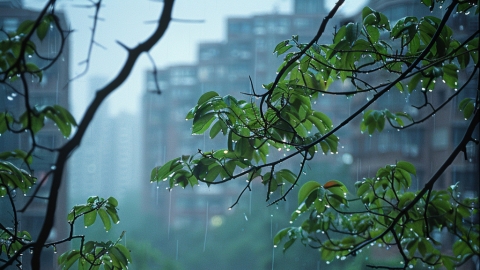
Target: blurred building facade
{"type": "Point", "coordinates": [428, 144]}
{"type": "Point", "coordinates": [107, 162]}
{"type": "Point", "coordinates": [51, 90]}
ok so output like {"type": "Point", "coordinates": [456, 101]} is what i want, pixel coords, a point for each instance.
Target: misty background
{"type": "Point", "coordinates": [110, 160]}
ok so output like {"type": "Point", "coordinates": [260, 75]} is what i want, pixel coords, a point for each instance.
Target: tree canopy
{"type": "Point", "coordinates": [413, 55]}
{"type": "Point", "coordinates": [375, 56]}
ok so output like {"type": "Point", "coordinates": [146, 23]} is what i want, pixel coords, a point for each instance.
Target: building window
{"type": "Point", "coordinates": [10, 24]}
{"type": "Point", "coordinates": [259, 27]}
{"type": "Point", "coordinates": [205, 73]}
{"type": "Point", "coordinates": [440, 139]}
{"type": "Point", "coordinates": [458, 133]}
{"type": "Point", "coordinates": [301, 22]}
{"type": "Point", "coordinates": [207, 54]}
{"type": "Point", "coordinates": [468, 181]}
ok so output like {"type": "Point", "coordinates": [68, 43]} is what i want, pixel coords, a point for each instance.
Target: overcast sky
{"type": "Point", "coordinates": [128, 22]}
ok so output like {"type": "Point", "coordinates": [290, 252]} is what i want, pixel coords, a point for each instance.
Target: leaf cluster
{"type": "Point", "coordinates": [383, 211]}
{"type": "Point", "coordinates": [18, 47]}
{"type": "Point", "coordinates": [97, 255]}
{"type": "Point", "coordinates": [412, 55]}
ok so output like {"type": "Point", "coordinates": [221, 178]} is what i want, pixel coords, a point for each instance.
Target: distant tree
{"type": "Point", "coordinates": [413, 55]}
{"type": "Point", "coordinates": [18, 54]}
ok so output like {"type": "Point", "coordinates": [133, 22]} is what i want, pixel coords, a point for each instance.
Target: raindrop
{"type": "Point", "coordinates": [206, 229]}
{"type": "Point", "coordinates": [273, 257]}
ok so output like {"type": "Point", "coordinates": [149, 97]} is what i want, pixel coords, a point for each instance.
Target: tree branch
{"type": "Point", "coordinates": [66, 151]}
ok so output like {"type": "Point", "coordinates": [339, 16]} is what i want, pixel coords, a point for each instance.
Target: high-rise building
{"type": "Point", "coordinates": [51, 90]}
{"type": "Point", "coordinates": [426, 145]}
{"type": "Point", "coordinates": [10, 3]}
{"type": "Point", "coordinates": [91, 166]}
{"type": "Point", "coordinates": [309, 7]}
{"type": "Point", "coordinates": [106, 164]}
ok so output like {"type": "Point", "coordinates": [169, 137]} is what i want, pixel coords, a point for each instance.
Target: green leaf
{"type": "Point", "coordinates": [467, 105]}
{"type": "Point", "coordinates": [112, 201]}
{"type": "Point", "coordinates": [124, 251]}
{"type": "Point", "coordinates": [282, 47]}
{"type": "Point", "coordinates": [32, 68]}
{"type": "Point", "coordinates": [67, 259]}
{"type": "Point", "coordinates": [288, 175]}
{"type": "Point", "coordinates": [404, 199]}
{"type": "Point", "coordinates": [306, 189]}
{"type": "Point", "coordinates": [340, 46]}
{"type": "Point", "coordinates": [18, 154]}
{"type": "Point", "coordinates": [288, 244]}
{"type": "Point", "coordinates": [450, 75]}
{"type": "Point", "coordinates": [202, 123]}
{"type": "Point", "coordinates": [206, 97]}
{"type": "Point", "coordinates": [366, 11]}
{"type": "Point", "coordinates": [112, 212]}
{"type": "Point", "coordinates": [105, 219]}
{"type": "Point", "coordinates": [25, 27]}
{"type": "Point", "coordinates": [363, 188]}
{"type": "Point", "coordinates": [460, 248]}
{"type": "Point", "coordinates": [414, 82]}
{"type": "Point", "coordinates": [43, 27]}
{"type": "Point", "coordinates": [216, 129]}
{"type": "Point", "coordinates": [65, 115]}
{"type": "Point", "coordinates": [280, 235]}
{"type": "Point", "coordinates": [161, 173]}
{"type": "Point", "coordinates": [373, 33]}
{"type": "Point", "coordinates": [407, 166]}
{"type": "Point", "coordinates": [119, 256]}
{"type": "Point", "coordinates": [6, 120]}
{"type": "Point", "coordinates": [89, 218]}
